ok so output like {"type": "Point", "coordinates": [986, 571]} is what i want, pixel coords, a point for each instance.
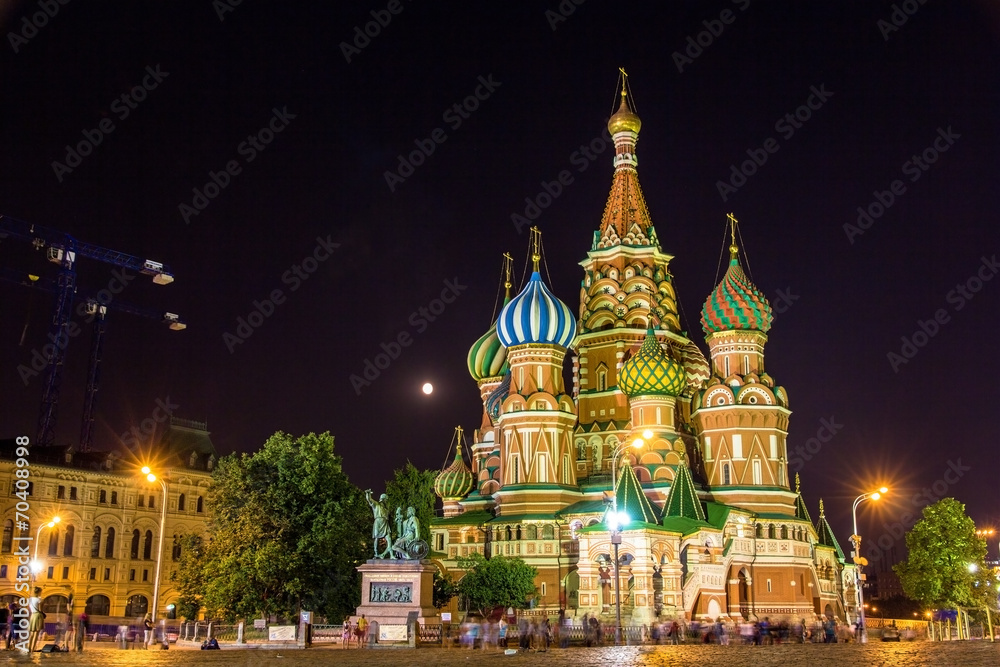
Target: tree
{"type": "Point", "coordinates": [501, 581]}
{"type": "Point", "coordinates": [189, 575]}
{"type": "Point", "coordinates": [444, 590]}
{"type": "Point", "coordinates": [287, 532]}
{"type": "Point", "coordinates": [946, 566]}
{"type": "Point", "coordinates": [412, 487]}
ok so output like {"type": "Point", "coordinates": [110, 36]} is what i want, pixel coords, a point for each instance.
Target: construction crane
{"type": "Point", "coordinates": [62, 249]}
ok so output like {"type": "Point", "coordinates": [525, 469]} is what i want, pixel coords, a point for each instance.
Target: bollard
{"type": "Point", "coordinates": [209, 636]}
{"type": "Point", "coordinates": [195, 638]}
{"type": "Point", "coordinates": [239, 633]}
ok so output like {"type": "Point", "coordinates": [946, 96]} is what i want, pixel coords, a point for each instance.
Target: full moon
{"type": "Point", "coordinates": [428, 388]}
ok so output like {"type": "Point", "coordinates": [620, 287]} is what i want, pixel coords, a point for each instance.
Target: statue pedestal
{"type": "Point", "coordinates": [394, 591]}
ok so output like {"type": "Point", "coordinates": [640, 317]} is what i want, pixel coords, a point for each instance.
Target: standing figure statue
{"type": "Point", "coordinates": [399, 522]}
{"type": "Point", "coordinates": [380, 529]}
{"type": "Point", "coordinates": [409, 545]}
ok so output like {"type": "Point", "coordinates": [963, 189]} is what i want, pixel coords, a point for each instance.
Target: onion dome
{"type": "Point", "coordinates": [695, 365]}
{"type": "Point", "coordinates": [736, 304]}
{"type": "Point", "coordinates": [536, 316]}
{"type": "Point", "coordinates": [487, 357]}
{"type": "Point", "coordinates": [456, 480]}
{"type": "Point", "coordinates": [497, 397]}
{"type": "Point", "coordinates": [624, 120]}
{"type": "Point", "coordinates": [651, 371]}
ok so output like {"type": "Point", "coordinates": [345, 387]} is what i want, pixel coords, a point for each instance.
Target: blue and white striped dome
{"type": "Point", "coordinates": [536, 316]}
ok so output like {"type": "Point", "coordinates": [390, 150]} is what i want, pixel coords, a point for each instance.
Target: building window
{"type": "Point", "coordinates": [137, 605]}
{"type": "Point", "coordinates": [131, 575]}
{"type": "Point", "coordinates": [52, 571]}
{"type": "Point", "coordinates": [61, 493]}
{"type": "Point", "coordinates": [68, 542]}
{"type": "Point", "coordinates": [107, 574]}
{"type": "Point", "coordinates": [109, 544]}
{"type": "Point", "coordinates": [602, 380]}
{"type": "Point", "coordinates": [93, 574]}
{"type": "Point", "coordinates": [54, 542]}
{"type": "Point", "coordinates": [98, 605]}
{"type": "Point", "coordinates": [746, 364]}
{"type": "Point", "coordinates": [543, 589]}
{"type": "Point", "coordinates": [142, 501]}
{"type": "Point", "coordinates": [8, 536]}
{"type": "Point", "coordinates": [201, 506]}
{"type": "Point", "coordinates": [725, 473]}
{"type": "Point", "coordinates": [768, 585]}
{"type": "Point", "coordinates": [727, 366]}
{"type": "Point", "coordinates": [95, 543]}
{"type": "Point", "coordinates": [145, 575]}
{"type": "Point", "coordinates": [147, 545]}
{"type": "Point", "coordinates": [3, 571]}
{"type": "Point", "coordinates": [757, 478]}
{"type": "Point", "coordinates": [547, 532]}
{"type": "Point", "coordinates": [543, 468]}
{"type": "Point", "coordinates": [176, 552]}
{"type": "Point", "coordinates": [152, 505]}
{"type": "Point", "coordinates": [66, 572]}
{"type": "Point", "coordinates": [180, 503]}
{"type": "Point", "coordinates": [72, 493]}
{"type": "Point", "coordinates": [102, 497]}
{"type": "Point", "coordinates": [439, 542]}
{"type": "Point", "coordinates": [134, 551]}
{"type": "Point", "coordinates": [114, 497]}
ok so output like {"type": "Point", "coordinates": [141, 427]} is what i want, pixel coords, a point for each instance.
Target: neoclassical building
{"type": "Point", "coordinates": [692, 449]}
{"type": "Point", "coordinates": [102, 555]}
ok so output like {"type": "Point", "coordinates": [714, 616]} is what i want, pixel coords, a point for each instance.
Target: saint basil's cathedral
{"type": "Point", "coordinates": [692, 451]}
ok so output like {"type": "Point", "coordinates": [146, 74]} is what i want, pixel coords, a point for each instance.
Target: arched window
{"type": "Point", "coordinates": [547, 532]}
{"type": "Point", "coordinates": [784, 532]}
{"type": "Point", "coordinates": [508, 533]}
{"type": "Point", "coordinates": [518, 533]}
{"type": "Point", "coordinates": [201, 506]}
{"type": "Point", "coordinates": [725, 473]}
{"type": "Point", "coordinates": [176, 553]}
{"type": "Point", "coordinates": [137, 605]}
{"type": "Point", "coordinates": [8, 536]}
{"type": "Point", "coordinates": [95, 543]}
{"type": "Point", "coordinates": [55, 604]}
{"type": "Point", "coordinates": [147, 545]}
{"type": "Point", "coordinates": [771, 532]}
{"type": "Point", "coordinates": [532, 532]}
{"type": "Point", "coordinates": [98, 605]}
{"type": "Point", "coordinates": [134, 550]}
{"type": "Point", "coordinates": [760, 530]}
{"type": "Point", "coordinates": [109, 544]}
{"type": "Point", "coordinates": [68, 542]}
{"type": "Point", "coordinates": [54, 542]}
{"type": "Point", "coordinates": [602, 379]}
{"type": "Point", "coordinates": [180, 503]}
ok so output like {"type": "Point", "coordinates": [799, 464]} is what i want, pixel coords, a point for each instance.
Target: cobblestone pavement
{"type": "Point", "coordinates": [959, 654]}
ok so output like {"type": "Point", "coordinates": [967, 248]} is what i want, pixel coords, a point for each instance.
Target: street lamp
{"type": "Point", "coordinates": [36, 567]}
{"type": "Point", "coordinates": [616, 521]}
{"type": "Point", "coordinates": [163, 527]}
{"type": "Point", "coordinates": [859, 561]}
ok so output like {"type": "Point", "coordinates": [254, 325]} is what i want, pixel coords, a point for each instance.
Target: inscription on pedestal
{"type": "Point", "coordinates": [390, 592]}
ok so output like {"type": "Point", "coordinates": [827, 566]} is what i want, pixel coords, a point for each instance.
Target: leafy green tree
{"type": "Point", "coordinates": [445, 589]}
{"type": "Point", "coordinates": [501, 581]}
{"type": "Point", "coordinates": [412, 487]}
{"type": "Point", "coordinates": [946, 566]}
{"type": "Point", "coordinates": [189, 575]}
{"type": "Point", "coordinates": [287, 531]}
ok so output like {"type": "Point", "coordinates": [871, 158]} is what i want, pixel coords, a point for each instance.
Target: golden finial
{"type": "Point", "coordinates": [796, 482]}
{"type": "Point", "coordinates": [821, 508]}
{"type": "Point", "coordinates": [458, 441]}
{"type": "Point", "coordinates": [536, 247]}
{"type": "Point", "coordinates": [733, 248]}
{"type": "Point", "coordinates": [508, 261]}
{"type": "Point", "coordinates": [624, 81]}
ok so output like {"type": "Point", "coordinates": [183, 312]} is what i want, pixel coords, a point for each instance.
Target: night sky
{"type": "Point", "coordinates": [309, 117]}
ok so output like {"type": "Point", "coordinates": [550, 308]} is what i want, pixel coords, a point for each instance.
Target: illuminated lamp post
{"type": "Point", "coordinates": [615, 521]}
{"type": "Point", "coordinates": [163, 527]}
{"type": "Point", "coordinates": [859, 560]}
{"type": "Point", "coordinates": [36, 567]}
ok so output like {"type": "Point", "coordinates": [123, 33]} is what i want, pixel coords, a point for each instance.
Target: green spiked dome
{"type": "Point", "coordinates": [487, 357]}
{"type": "Point", "coordinates": [455, 481]}
{"type": "Point", "coordinates": [651, 371]}
{"type": "Point", "coordinates": [736, 304]}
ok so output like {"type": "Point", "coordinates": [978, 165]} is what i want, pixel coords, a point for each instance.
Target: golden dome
{"type": "Point", "coordinates": [624, 120]}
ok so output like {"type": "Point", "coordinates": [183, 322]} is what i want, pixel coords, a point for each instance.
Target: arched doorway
{"type": "Point", "coordinates": [137, 605]}
{"type": "Point", "coordinates": [743, 594]}
{"type": "Point", "coordinates": [98, 605]}
{"type": "Point", "coordinates": [55, 604]}
{"type": "Point", "coordinates": [714, 609]}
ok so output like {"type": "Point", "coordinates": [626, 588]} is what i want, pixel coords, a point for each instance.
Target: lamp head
{"type": "Point", "coordinates": [638, 442]}
{"type": "Point", "coordinates": [146, 470]}
{"type": "Point", "coordinates": [151, 477]}
{"type": "Point", "coordinates": [875, 496]}
{"type": "Point", "coordinates": [647, 434]}
{"type": "Point", "coordinates": [883, 490]}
